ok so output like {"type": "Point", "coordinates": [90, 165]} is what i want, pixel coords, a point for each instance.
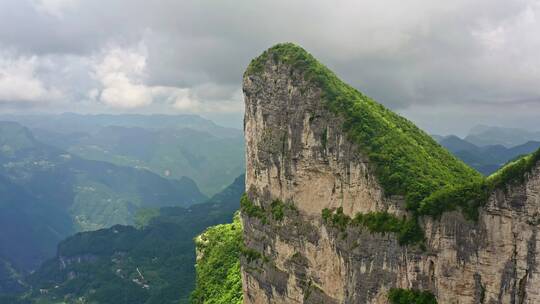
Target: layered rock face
{"type": "Point", "coordinates": [300, 161]}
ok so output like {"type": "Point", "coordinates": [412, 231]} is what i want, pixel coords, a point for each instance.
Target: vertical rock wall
{"type": "Point", "coordinates": [297, 153]}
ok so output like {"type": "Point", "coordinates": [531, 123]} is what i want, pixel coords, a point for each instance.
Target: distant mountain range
{"type": "Point", "coordinates": [69, 123]}
{"type": "Point", "coordinates": [486, 159]}
{"type": "Point", "coordinates": [508, 137]}
{"type": "Point", "coordinates": [172, 146]}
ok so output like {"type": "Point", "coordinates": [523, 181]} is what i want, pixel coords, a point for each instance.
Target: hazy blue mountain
{"type": "Point", "coordinates": [171, 146]}
{"type": "Point", "coordinates": [47, 194]}
{"type": "Point", "coordinates": [97, 194]}
{"type": "Point", "coordinates": [29, 233]}
{"type": "Point", "coordinates": [30, 229]}
{"type": "Point", "coordinates": [88, 123]}
{"type": "Point", "coordinates": [122, 264]}
{"type": "Point", "coordinates": [211, 161]}
{"type": "Point", "coordinates": [509, 137]}
{"type": "Point", "coordinates": [454, 143]}
{"type": "Point", "coordinates": [485, 159]}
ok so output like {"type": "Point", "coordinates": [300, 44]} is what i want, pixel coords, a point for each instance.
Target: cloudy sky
{"type": "Point", "coordinates": [447, 65]}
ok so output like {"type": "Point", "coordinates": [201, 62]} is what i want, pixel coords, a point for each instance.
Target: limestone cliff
{"type": "Point", "coordinates": [303, 158]}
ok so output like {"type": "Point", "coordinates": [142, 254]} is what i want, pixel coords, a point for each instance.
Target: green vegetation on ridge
{"type": "Point", "coordinates": [469, 197]}
{"type": "Point", "coordinates": [514, 171]}
{"type": "Point", "coordinates": [218, 265]}
{"type": "Point", "coordinates": [406, 160]}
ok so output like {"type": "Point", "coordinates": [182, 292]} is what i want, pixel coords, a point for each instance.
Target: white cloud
{"type": "Point", "coordinates": [124, 94]}
{"type": "Point", "coordinates": [186, 100]}
{"type": "Point", "coordinates": [121, 72]}
{"type": "Point", "coordinates": [20, 83]}
{"type": "Point", "coordinates": [404, 54]}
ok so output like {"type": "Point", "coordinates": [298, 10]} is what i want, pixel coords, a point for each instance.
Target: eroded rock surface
{"type": "Point", "coordinates": [297, 152]}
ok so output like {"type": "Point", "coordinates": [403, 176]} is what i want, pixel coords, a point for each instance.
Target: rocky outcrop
{"type": "Point", "coordinates": [300, 161]}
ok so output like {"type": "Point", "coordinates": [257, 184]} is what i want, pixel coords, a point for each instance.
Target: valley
{"type": "Point", "coordinates": [50, 192]}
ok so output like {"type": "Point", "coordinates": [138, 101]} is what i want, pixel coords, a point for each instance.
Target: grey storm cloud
{"type": "Point", "coordinates": [478, 56]}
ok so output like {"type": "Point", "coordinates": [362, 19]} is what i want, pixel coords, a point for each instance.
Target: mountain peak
{"type": "Point", "coordinates": [407, 161]}
{"type": "Point", "coordinates": [283, 52]}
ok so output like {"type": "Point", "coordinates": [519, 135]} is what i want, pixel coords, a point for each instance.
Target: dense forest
{"type": "Point", "coordinates": [124, 264]}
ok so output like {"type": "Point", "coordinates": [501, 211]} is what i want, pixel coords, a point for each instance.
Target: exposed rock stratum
{"type": "Point", "coordinates": [303, 158]}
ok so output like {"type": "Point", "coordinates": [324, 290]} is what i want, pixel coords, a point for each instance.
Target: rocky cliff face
{"type": "Point", "coordinates": [300, 161]}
